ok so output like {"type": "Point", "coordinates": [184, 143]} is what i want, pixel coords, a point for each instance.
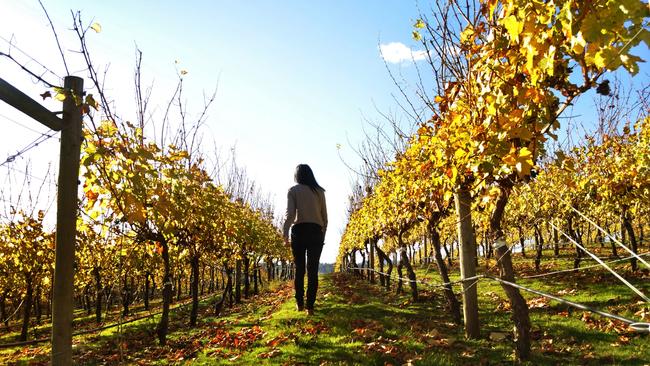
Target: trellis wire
{"type": "Point", "coordinates": [642, 327]}
{"type": "Point", "coordinates": [637, 326]}
{"type": "Point", "coordinates": [611, 237]}
{"type": "Point", "coordinates": [48, 181]}
{"type": "Point", "coordinates": [20, 124]}
{"type": "Point", "coordinates": [626, 282]}
{"type": "Point", "coordinates": [15, 311]}
{"type": "Point", "coordinates": [39, 140]}
{"type": "Point", "coordinates": [556, 272]}
{"type": "Point", "coordinates": [119, 323]}
{"type": "Point", "coordinates": [587, 267]}
{"type": "Point", "coordinates": [13, 46]}
{"type": "Point", "coordinates": [417, 281]}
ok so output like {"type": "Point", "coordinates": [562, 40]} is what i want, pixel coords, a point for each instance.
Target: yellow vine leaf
{"type": "Point", "coordinates": [546, 64]}
{"type": "Point", "coordinates": [108, 128]}
{"type": "Point", "coordinates": [467, 35]}
{"type": "Point", "coordinates": [631, 63]}
{"type": "Point", "coordinates": [578, 43]}
{"type": "Point", "coordinates": [91, 102]}
{"type": "Point", "coordinates": [514, 27]}
{"type": "Point", "coordinates": [524, 161]}
{"type": "Point", "coordinates": [96, 27]}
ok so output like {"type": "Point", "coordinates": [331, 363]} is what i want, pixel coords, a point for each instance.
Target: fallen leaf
{"type": "Point", "coordinates": [498, 336]}
{"type": "Point", "coordinates": [272, 353]}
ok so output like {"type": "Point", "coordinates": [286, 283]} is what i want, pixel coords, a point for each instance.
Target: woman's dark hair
{"type": "Point", "coordinates": [305, 176]}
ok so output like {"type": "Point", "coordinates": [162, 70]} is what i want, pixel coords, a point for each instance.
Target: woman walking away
{"type": "Point", "coordinates": [307, 217]}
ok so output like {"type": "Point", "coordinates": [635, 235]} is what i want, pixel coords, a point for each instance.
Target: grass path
{"type": "Point", "coordinates": [354, 323]}
{"type": "Point", "coordinates": [357, 323]}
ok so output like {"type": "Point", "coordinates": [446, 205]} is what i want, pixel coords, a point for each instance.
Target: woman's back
{"type": "Point", "coordinates": [306, 216]}
{"type": "Point", "coordinates": [306, 205]}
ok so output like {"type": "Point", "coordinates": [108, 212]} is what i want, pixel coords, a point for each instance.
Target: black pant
{"type": "Point", "coordinates": [306, 237]}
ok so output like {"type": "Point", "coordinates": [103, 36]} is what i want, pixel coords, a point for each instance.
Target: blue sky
{"type": "Point", "coordinates": [295, 78]}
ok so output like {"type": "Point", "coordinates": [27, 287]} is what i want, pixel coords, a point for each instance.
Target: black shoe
{"type": "Point", "coordinates": [300, 307]}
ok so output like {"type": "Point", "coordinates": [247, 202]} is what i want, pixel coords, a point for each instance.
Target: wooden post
{"type": "Point", "coordinates": [467, 251]}
{"type": "Point", "coordinates": [66, 224]}
{"type": "Point", "coordinates": [30, 107]}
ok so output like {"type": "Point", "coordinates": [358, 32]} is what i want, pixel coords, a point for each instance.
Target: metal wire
{"type": "Point", "coordinates": [20, 124]}
{"type": "Point", "coordinates": [638, 326]}
{"type": "Point", "coordinates": [611, 237]}
{"type": "Point", "coordinates": [626, 282]}
{"type": "Point", "coordinates": [13, 46]}
{"type": "Point", "coordinates": [642, 327]}
{"type": "Point", "coordinates": [45, 180]}
{"type": "Point", "coordinates": [39, 140]}
{"type": "Point", "coordinates": [583, 268]}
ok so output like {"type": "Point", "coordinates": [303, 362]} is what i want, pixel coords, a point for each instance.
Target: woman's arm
{"type": "Point", "coordinates": [323, 211]}
{"type": "Point", "coordinates": [289, 215]}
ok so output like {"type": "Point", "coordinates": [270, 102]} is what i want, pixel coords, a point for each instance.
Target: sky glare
{"type": "Point", "coordinates": [294, 80]}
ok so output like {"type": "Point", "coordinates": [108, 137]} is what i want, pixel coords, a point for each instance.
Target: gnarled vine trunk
{"type": "Point", "coordinates": [384, 258]}
{"type": "Point", "coordinates": [98, 294]}
{"type": "Point", "coordinates": [556, 243]}
{"type": "Point", "coordinates": [3, 310]}
{"type": "Point", "coordinates": [163, 324]}
{"type": "Point", "coordinates": [27, 307]}
{"type": "Point", "coordinates": [405, 262]}
{"type": "Point", "coordinates": [518, 304]}
{"type": "Point", "coordinates": [539, 246]}
{"type": "Point", "coordinates": [247, 273]}
{"type": "Point", "coordinates": [452, 301]}
{"type": "Point", "coordinates": [522, 241]}
{"type": "Point", "coordinates": [448, 252]}
{"type": "Point", "coordinates": [194, 263]}
{"type": "Point", "coordinates": [573, 233]}
{"type": "Point", "coordinates": [227, 289]}
{"type": "Point", "coordinates": [400, 282]}
{"type": "Point", "coordinates": [269, 269]}
{"type": "Point", "coordinates": [255, 278]}
{"type": "Point", "coordinates": [126, 296]}
{"type": "Point", "coordinates": [146, 290]}
{"type": "Point", "coordinates": [627, 224]}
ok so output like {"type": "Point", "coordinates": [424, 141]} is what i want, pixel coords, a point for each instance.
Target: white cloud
{"type": "Point", "coordinates": [397, 52]}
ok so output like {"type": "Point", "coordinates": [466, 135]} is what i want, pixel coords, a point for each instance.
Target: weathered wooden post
{"type": "Point", "coordinates": [66, 220]}
{"type": "Point", "coordinates": [66, 223]}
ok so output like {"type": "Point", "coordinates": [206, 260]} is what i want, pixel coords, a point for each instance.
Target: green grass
{"type": "Point", "coordinates": [357, 323]}
{"type": "Point", "coordinates": [81, 321]}
{"type": "Point", "coordinates": [560, 332]}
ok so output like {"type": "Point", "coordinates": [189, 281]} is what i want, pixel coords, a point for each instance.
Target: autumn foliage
{"type": "Point", "coordinates": [512, 71]}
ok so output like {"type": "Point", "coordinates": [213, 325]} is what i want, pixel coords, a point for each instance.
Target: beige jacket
{"type": "Point", "coordinates": [304, 205]}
